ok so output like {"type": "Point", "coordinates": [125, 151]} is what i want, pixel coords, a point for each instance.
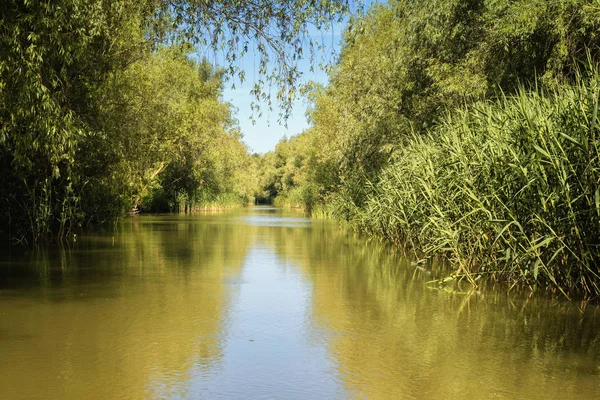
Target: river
{"type": "Point", "coordinates": [262, 303]}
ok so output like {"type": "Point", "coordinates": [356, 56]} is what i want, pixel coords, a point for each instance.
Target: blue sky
{"type": "Point", "coordinates": [266, 133]}
{"type": "Point", "coordinates": [262, 136]}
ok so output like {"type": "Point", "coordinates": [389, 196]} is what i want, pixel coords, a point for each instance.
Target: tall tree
{"type": "Point", "coordinates": [55, 55]}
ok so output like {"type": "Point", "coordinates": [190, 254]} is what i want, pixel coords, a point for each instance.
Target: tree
{"type": "Point", "coordinates": [55, 57]}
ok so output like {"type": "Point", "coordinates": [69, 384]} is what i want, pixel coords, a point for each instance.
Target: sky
{"type": "Point", "coordinates": [262, 136]}
{"type": "Point", "coordinates": [266, 132]}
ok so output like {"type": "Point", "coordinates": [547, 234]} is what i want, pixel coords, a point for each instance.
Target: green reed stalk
{"type": "Point", "coordinates": [509, 188]}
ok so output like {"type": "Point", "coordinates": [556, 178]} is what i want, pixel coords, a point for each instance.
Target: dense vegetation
{"type": "Point", "coordinates": [105, 107]}
{"type": "Point", "coordinates": [465, 130]}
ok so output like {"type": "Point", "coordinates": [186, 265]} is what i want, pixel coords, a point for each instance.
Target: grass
{"type": "Point", "coordinates": [508, 189]}
{"type": "Point", "coordinates": [206, 202]}
{"type": "Point", "coordinates": [301, 197]}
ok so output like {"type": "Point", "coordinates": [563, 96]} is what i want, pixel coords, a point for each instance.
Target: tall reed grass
{"type": "Point", "coordinates": [209, 202]}
{"type": "Point", "coordinates": [302, 197]}
{"type": "Point", "coordinates": [508, 189]}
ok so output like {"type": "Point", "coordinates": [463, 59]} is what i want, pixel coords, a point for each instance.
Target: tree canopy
{"type": "Point", "coordinates": [98, 97]}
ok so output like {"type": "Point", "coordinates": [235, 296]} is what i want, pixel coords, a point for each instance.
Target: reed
{"type": "Point", "coordinates": [301, 197]}
{"type": "Point", "coordinates": [507, 189]}
{"type": "Point", "coordinates": [209, 202]}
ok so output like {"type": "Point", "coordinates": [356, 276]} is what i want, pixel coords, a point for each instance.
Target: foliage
{"type": "Point", "coordinates": [403, 65]}
{"type": "Point", "coordinates": [168, 131]}
{"type": "Point", "coordinates": [279, 32]}
{"type": "Point", "coordinates": [83, 136]}
{"type": "Point", "coordinates": [52, 54]}
{"type": "Point", "coordinates": [289, 175]}
{"type": "Point", "coordinates": [508, 188]}
{"type": "Point", "coordinates": [463, 129]}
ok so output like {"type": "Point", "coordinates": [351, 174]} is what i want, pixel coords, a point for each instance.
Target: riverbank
{"type": "Point", "coordinates": [505, 189]}
{"type": "Point", "coordinates": [453, 146]}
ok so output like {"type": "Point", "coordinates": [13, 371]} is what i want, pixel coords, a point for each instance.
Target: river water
{"type": "Point", "coordinates": [262, 303]}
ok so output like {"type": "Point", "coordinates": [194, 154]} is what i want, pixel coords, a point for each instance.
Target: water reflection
{"type": "Point", "coordinates": [266, 304]}
{"type": "Point", "coordinates": [122, 315]}
{"type": "Point", "coordinates": [393, 337]}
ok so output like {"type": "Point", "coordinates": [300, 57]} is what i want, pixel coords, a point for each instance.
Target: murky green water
{"type": "Point", "coordinates": [261, 303]}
